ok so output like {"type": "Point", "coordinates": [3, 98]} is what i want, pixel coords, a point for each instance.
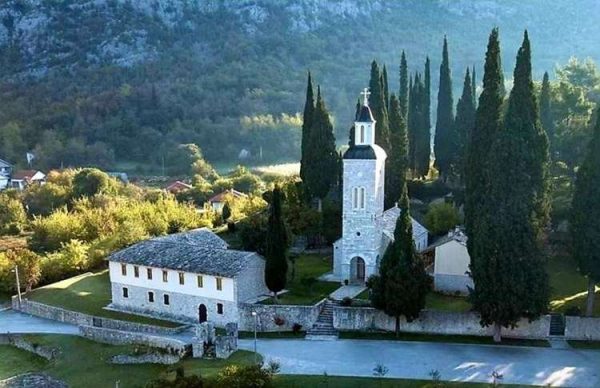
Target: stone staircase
{"type": "Point", "coordinates": [557, 325]}
{"type": "Point", "coordinates": [323, 328]}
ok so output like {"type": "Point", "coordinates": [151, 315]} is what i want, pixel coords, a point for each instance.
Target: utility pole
{"type": "Point", "coordinates": [18, 284]}
{"type": "Point", "coordinates": [255, 315]}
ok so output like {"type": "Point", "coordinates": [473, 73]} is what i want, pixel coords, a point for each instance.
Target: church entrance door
{"type": "Point", "coordinates": [357, 266]}
{"type": "Point", "coordinates": [202, 315]}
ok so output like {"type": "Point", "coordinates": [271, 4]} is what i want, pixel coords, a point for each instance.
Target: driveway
{"type": "Point", "coordinates": [14, 322]}
{"type": "Point", "coordinates": [415, 360]}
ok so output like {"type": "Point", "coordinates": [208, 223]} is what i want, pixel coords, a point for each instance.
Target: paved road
{"type": "Point", "coordinates": [414, 360]}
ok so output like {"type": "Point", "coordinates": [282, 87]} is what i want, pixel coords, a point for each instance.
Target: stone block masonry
{"type": "Point", "coordinates": [118, 337]}
{"type": "Point", "coordinates": [267, 315]}
{"type": "Point", "coordinates": [18, 341]}
{"type": "Point", "coordinates": [582, 328]}
{"type": "Point", "coordinates": [151, 358]}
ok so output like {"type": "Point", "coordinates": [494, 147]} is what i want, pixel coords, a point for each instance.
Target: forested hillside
{"type": "Point", "coordinates": [109, 81]}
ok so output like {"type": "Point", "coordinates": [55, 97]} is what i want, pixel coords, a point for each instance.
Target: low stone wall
{"type": "Point", "coordinates": [433, 322]}
{"type": "Point", "coordinates": [28, 380]}
{"type": "Point", "coordinates": [76, 318]}
{"type": "Point", "coordinates": [117, 337]}
{"type": "Point", "coordinates": [267, 314]}
{"type": "Point", "coordinates": [152, 358]}
{"type": "Point", "coordinates": [18, 341]}
{"type": "Point", "coordinates": [582, 328]}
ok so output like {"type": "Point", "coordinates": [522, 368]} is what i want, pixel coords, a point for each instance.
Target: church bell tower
{"type": "Point", "coordinates": [357, 257]}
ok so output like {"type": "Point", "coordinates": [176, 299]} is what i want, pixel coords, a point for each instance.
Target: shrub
{"type": "Point", "coordinates": [279, 321]}
{"type": "Point", "coordinates": [441, 217]}
{"type": "Point", "coordinates": [296, 328]}
{"type": "Point", "coordinates": [231, 227]}
{"type": "Point", "coordinates": [250, 376]}
{"type": "Point", "coordinates": [346, 302]}
{"type": "Point", "coordinates": [573, 311]}
{"type": "Point", "coordinates": [12, 215]}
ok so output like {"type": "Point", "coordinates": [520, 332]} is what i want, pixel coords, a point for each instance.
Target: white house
{"type": "Point", "coordinates": [190, 276]}
{"type": "Point", "coordinates": [20, 179]}
{"type": "Point", "coordinates": [367, 229]}
{"type": "Point", "coordinates": [5, 173]}
{"type": "Point", "coordinates": [218, 201]}
{"type": "Point", "coordinates": [451, 263]}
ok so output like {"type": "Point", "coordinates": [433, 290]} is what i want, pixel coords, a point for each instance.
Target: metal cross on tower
{"type": "Point", "coordinates": [365, 93]}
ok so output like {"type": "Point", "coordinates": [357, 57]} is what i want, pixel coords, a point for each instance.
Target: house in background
{"type": "Point", "coordinates": [191, 276]}
{"type": "Point", "coordinates": [22, 178]}
{"type": "Point", "coordinates": [5, 173]}
{"type": "Point", "coordinates": [451, 260]}
{"type": "Point", "coordinates": [122, 176]}
{"type": "Point", "coordinates": [177, 186]}
{"type": "Point", "coordinates": [218, 201]}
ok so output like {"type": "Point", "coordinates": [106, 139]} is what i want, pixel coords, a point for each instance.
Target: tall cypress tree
{"type": "Point", "coordinates": [478, 208]}
{"type": "Point", "coordinates": [423, 127]}
{"type": "Point", "coordinates": [309, 109]}
{"type": "Point", "coordinates": [404, 90]}
{"type": "Point", "coordinates": [427, 103]}
{"type": "Point", "coordinates": [352, 129]}
{"type": "Point", "coordinates": [411, 126]}
{"type": "Point", "coordinates": [585, 217]}
{"type": "Point", "coordinates": [378, 108]}
{"type": "Point", "coordinates": [402, 284]}
{"type": "Point", "coordinates": [276, 264]}
{"type": "Point", "coordinates": [398, 159]}
{"type": "Point", "coordinates": [386, 90]}
{"type": "Point", "coordinates": [443, 144]}
{"type": "Point", "coordinates": [321, 163]}
{"type": "Point", "coordinates": [461, 130]}
{"type": "Point", "coordinates": [546, 107]}
{"type": "Point", "coordinates": [474, 86]}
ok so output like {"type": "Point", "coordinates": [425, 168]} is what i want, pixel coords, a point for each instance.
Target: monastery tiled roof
{"type": "Point", "coordinates": [390, 217]}
{"type": "Point", "coordinates": [196, 251]}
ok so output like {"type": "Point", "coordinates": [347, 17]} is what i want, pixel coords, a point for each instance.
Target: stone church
{"type": "Point", "coordinates": [367, 229]}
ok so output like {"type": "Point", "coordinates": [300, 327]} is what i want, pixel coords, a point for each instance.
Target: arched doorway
{"type": "Point", "coordinates": [357, 265]}
{"type": "Point", "coordinates": [202, 315]}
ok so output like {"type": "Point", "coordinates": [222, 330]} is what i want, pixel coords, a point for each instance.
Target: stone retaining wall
{"type": "Point", "coordinates": [47, 352]}
{"type": "Point", "coordinates": [152, 358]}
{"type": "Point", "coordinates": [433, 322]}
{"type": "Point", "coordinates": [118, 337]}
{"type": "Point", "coordinates": [582, 328]}
{"type": "Point", "coordinates": [267, 314]}
{"type": "Point", "coordinates": [80, 319]}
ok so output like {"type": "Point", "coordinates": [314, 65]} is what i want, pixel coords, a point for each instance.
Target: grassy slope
{"type": "Point", "coordinates": [16, 361]}
{"type": "Point", "coordinates": [87, 294]}
{"type": "Point", "coordinates": [569, 288]}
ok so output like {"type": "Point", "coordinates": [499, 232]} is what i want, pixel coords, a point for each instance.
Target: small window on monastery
{"type": "Point", "coordinates": [362, 134]}
{"type": "Point", "coordinates": [200, 281]}
{"type": "Point", "coordinates": [136, 271]}
{"type": "Point", "coordinates": [125, 292]}
{"type": "Point", "coordinates": [219, 284]}
{"type": "Point", "coordinates": [124, 269]}
{"type": "Point", "coordinates": [181, 278]}
{"type": "Point", "coordinates": [165, 276]}
{"type": "Point", "coordinates": [150, 296]}
{"type": "Point", "coordinates": [149, 273]}
{"type": "Point", "coordinates": [166, 299]}
{"type": "Point", "coordinates": [219, 308]}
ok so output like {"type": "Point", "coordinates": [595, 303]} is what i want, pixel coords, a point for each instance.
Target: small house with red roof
{"type": "Point", "coordinates": [22, 178]}
{"type": "Point", "coordinates": [177, 186]}
{"type": "Point", "coordinates": [218, 201]}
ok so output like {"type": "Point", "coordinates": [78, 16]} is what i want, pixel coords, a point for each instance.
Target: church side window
{"type": "Point", "coordinates": [358, 198]}
{"type": "Point", "coordinates": [362, 134]}
{"type": "Point", "coordinates": [361, 203]}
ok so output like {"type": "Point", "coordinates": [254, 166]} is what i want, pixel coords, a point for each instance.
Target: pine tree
{"type": "Point", "coordinates": [404, 90]}
{"type": "Point", "coordinates": [443, 144]}
{"type": "Point", "coordinates": [378, 108]}
{"type": "Point", "coordinates": [386, 90]}
{"type": "Point", "coordinates": [585, 217]}
{"type": "Point", "coordinates": [422, 128]}
{"type": "Point", "coordinates": [461, 130]}
{"type": "Point", "coordinates": [546, 107]}
{"type": "Point", "coordinates": [321, 162]}
{"type": "Point", "coordinates": [402, 285]}
{"type": "Point", "coordinates": [309, 109]}
{"type": "Point", "coordinates": [474, 86]}
{"type": "Point", "coordinates": [276, 246]}
{"type": "Point", "coordinates": [398, 159]}
{"type": "Point", "coordinates": [410, 121]}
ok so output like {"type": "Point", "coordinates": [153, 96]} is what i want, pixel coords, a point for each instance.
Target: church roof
{"type": "Point", "coordinates": [365, 152]}
{"type": "Point", "coordinates": [365, 115]}
{"type": "Point", "coordinates": [390, 217]}
{"type": "Point", "coordinates": [196, 251]}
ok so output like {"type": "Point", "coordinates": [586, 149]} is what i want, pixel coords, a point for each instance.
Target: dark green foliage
{"type": "Point", "coordinates": [403, 95]}
{"type": "Point", "coordinates": [402, 284]}
{"type": "Point", "coordinates": [379, 108]}
{"type": "Point", "coordinates": [585, 217]}
{"type": "Point", "coordinates": [418, 129]}
{"type": "Point", "coordinates": [507, 264]}
{"type": "Point", "coordinates": [276, 246]}
{"type": "Point", "coordinates": [91, 181]}
{"type": "Point", "coordinates": [398, 159]}
{"type": "Point", "coordinates": [445, 149]}
{"type": "Point", "coordinates": [461, 129]}
{"type": "Point", "coordinates": [226, 211]}
{"type": "Point", "coordinates": [253, 233]}
{"type": "Point", "coordinates": [474, 86]}
{"type": "Point", "coordinates": [546, 107]}
{"type": "Point", "coordinates": [386, 89]}
{"type": "Point", "coordinates": [441, 217]}
{"type": "Point", "coordinates": [320, 171]}
{"type": "Point", "coordinates": [352, 134]}
{"type": "Point", "coordinates": [307, 119]}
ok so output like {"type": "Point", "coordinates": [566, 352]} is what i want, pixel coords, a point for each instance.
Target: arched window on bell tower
{"type": "Point", "coordinates": [359, 198]}
{"type": "Point", "coordinates": [362, 134]}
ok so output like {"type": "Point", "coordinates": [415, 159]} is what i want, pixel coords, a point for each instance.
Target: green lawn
{"type": "Point", "coordinates": [294, 381]}
{"type": "Point", "coordinates": [307, 266]}
{"type": "Point", "coordinates": [437, 301]}
{"type": "Point", "coordinates": [568, 287]}
{"type": "Point", "coordinates": [461, 339]}
{"type": "Point", "coordinates": [595, 345]}
{"type": "Point", "coordinates": [82, 363]}
{"type": "Point", "coordinates": [87, 294]}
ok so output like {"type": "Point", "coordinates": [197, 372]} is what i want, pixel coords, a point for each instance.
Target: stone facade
{"type": "Point", "coordinates": [61, 315]}
{"type": "Point", "coordinates": [18, 341]}
{"type": "Point", "coordinates": [267, 314]}
{"type": "Point", "coordinates": [451, 284]}
{"type": "Point", "coordinates": [250, 282]}
{"type": "Point", "coordinates": [433, 322]}
{"type": "Point", "coordinates": [29, 380]}
{"type": "Point", "coordinates": [150, 358]}
{"type": "Point", "coordinates": [181, 307]}
{"type": "Point", "coordinates": [207, 344]}
{"type": "Point", "coordinates": [582, 328]}
{"type": "Point", "coordinates": [118, 337]}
